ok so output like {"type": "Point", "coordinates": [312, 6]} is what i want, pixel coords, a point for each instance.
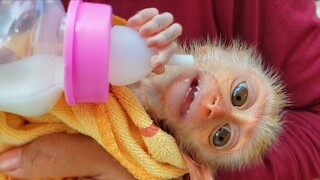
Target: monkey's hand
{"type": "Point", "coordinates": [160, 32]}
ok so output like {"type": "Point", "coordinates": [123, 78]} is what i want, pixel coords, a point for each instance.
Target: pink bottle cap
{"type": "Point", "coordinates": [86, 52]}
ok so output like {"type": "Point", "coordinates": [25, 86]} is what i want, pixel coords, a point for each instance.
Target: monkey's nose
{"type": "Point", "coordinates": [213, 105]}
{"type": "Point", "coordinates": [216, 108]}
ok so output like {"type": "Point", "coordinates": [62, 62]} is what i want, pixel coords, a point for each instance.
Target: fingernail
{"type": "Point", "coordinates": [10, 160]}
{"type": "Point", "coordinates": [159, 70]}
{"type": "Point", "coordinates": [151, 42]}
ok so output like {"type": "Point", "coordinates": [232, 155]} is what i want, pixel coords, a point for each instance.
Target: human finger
{"type": "Point", "coordinates": [62, 155]}
{"type": "Point", "coordinates": [164, 54]}
{"type": "Point", "coordinates": [165, 37]}
{"type": "Point", "coordinates": [142, 17]}
{"type": "Point", "coordinates": [157, 24]}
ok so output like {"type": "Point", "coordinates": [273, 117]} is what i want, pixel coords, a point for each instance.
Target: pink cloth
{"type": "Point", "coordinates": [287, 33]}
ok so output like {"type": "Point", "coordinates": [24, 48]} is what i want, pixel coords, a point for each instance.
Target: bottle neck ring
{"type": "Point", "coordinates": [86, 52]}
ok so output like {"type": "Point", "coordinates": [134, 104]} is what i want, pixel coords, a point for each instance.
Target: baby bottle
{"type": "Point", "coordinates": [45, 51]}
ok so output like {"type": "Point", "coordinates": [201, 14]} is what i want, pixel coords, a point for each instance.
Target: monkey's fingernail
{"type": "Point", "coordinates": [151, 42]}
{"type": "Point", "coordinates": [145, 32]}
{"type": "Point", "coordinates": [159, 69]}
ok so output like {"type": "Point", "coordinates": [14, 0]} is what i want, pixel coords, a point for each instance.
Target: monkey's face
{"type": "Point", "coordinates": [223, 112]}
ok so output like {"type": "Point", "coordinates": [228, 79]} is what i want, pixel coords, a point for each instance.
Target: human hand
{"type": "Point", "coordinates": [62, 155]}
{"type": "Point", "coordinates": [160, 33]}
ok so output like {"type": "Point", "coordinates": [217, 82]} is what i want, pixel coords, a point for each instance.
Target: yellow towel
{"type": "Point", "coordinates": [121, 126]}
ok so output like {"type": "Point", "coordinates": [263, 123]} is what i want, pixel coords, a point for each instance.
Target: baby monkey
{"type": "Point", "coordinates": [224, 112]}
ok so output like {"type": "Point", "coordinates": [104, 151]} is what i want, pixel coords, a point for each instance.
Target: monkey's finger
{"type": "Point", "coordinates": [61, 155]}
{"type": "Point", "coordinates": [142, 17]}
{"type": "Point", "coordinates": [164, 54]}
{"type": "Point", "coordinates": [156, 25]}
{"type": "Point", "coordinates": [165, 37]}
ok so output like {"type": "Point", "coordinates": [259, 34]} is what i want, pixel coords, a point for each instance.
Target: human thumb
{"type": "Point", "coordinates": [62, 155]}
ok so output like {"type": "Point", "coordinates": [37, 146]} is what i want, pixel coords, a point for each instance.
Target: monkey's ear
{"type": "Point", "coordinates": [196, 171]}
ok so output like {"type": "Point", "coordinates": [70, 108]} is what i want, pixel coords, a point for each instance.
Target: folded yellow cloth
{"type": "Point", "coordinates": [121, 126]}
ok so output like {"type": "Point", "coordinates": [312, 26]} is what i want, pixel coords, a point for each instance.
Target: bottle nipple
{"type": "Point", "coordinates": [129, 58]}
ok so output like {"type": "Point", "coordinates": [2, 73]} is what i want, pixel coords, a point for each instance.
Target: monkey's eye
{"type": "Point", "coordinates": [221, 137]}
{"type": "Point", "coordinates": [239, 94]}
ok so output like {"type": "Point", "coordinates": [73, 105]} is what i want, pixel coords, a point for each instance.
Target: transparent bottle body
{"type": "Point", "coordinates": [31, 55]}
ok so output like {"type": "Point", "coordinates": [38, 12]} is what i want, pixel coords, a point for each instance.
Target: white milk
{"type": "Point", "coordinates": [36, 81]}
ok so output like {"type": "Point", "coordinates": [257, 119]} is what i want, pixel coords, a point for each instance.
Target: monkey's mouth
{"type": "Point", "coordinates": [191, 93]}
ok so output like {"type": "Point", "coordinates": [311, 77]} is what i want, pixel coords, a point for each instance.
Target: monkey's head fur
{"type": "Point", "coordinates": [251, 127]}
